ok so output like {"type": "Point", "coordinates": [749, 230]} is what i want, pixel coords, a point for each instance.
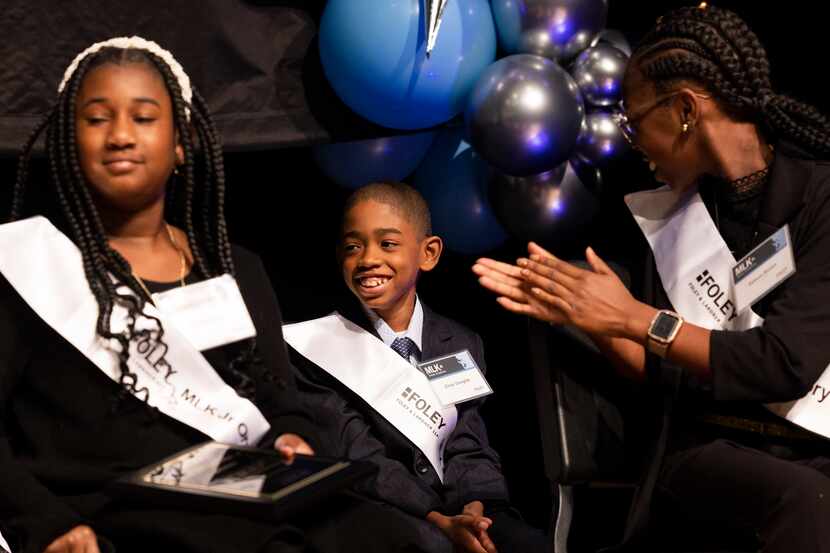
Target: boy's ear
{"type": "Point", "coordinates": [431, 248]}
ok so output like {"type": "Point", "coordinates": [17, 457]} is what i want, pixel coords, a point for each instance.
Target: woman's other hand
{"type": "Point", "coordinates": [595, 301]}
{"type": "Point", "coordinates": [514, 292]}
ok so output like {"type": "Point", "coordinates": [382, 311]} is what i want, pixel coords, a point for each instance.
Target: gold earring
{"type": "Point", "coordinates": [685, 128]}
{"type": "Point", "coordinates": [176, 170]}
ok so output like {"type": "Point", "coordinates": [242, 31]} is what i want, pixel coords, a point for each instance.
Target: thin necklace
{"type": "Point", "coordinates": [182, 268]}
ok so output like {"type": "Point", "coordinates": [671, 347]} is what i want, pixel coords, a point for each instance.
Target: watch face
{"type": "Point", "coordinates": [664, 325]}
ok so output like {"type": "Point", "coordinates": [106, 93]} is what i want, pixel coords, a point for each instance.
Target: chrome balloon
{"type": "Point", "coordinates": [599, 72]}
{"type": "Point", "coordinates": [615, 38]}
{"type": "Point", "coordinates": [553, 208]}
{"type": "Point", "coordinates": [524, 115]}
{"type": "Point", "coordinates": [600, 139]}
{"type": "Point", "coordinates": [557, 29]}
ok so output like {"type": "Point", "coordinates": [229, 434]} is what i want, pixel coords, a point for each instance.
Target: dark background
{"type": "Point", "coordinates": [282, 207]}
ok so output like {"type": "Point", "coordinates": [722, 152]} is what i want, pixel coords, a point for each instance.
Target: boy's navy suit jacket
{"type": "Point", "coordinates": [406, 479]}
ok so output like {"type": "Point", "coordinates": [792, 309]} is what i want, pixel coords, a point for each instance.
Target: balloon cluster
{"type": "Point", "coordinates": [538, 123]}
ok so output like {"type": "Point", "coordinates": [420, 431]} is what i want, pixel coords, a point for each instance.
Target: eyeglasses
{"type": "Point", "coordinates": [628, 125]}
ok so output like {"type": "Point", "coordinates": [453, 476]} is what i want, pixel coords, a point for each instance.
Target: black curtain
{"type": "Point", "coordinates": [255, 62]}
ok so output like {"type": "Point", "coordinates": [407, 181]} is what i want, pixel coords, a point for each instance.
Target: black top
{"type": "Point", "coordinates": [63, 438]}
{"type": "Point", "coordinates": [782, 359]}
{"type": "Point", "coordinates": [778, 361]}
{"type": "Point", "coordinates": [406, 479]}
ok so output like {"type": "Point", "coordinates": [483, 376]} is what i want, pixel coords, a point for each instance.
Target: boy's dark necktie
{"type": "Point", "coordinates": [406, 348]}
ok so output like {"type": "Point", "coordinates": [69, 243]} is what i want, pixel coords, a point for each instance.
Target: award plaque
{"type": "Point", "coordinates": [241, 481]}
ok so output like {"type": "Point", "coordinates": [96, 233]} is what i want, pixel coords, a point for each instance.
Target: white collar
{"type": "Point", "coordinates": [414, 331]}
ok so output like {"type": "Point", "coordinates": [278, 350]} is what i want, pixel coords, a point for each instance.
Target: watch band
{"type": "Point", "coordinates": [657, 347]}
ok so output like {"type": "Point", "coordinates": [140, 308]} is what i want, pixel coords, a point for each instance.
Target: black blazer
{"type": "Point", "coordinates": [63, 438]}
{"type": "Point", "coordinates": [406, 479]}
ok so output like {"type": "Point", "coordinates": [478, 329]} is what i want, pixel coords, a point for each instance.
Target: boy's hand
{"type": "Point", "coordinates": [290, 444]}
{"type": "Point", "coordinates": [80, 539]}
{"type": "Point", "coordinates": [468, 531]}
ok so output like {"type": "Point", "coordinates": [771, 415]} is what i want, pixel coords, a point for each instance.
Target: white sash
{"type": "Point", "coordinates": [694, 264]}
{"type": "Point", "coordinates": [4, 545]}
{"type": "Point", "coordinates": [399, 392]}
{"type": "Point", "coordinates": [45, 268]}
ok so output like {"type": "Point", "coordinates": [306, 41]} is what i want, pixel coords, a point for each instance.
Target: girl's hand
{"type": "Point", "coordinates": [80, 539]}
{"type": "Point", "coordinates": [291, 444]}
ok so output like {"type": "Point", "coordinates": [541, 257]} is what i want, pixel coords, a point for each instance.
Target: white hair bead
{"type": "Point", "coordinates": [136, 43]}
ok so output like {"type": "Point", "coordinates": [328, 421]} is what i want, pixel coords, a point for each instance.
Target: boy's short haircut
{"type": "Point", "coordinates": [400, 196]}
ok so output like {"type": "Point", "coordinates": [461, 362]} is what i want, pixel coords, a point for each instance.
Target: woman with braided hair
{"type": "Point", "coordinates": [737, 344]}
{"type": "Point", "coordinates": [93, 383]}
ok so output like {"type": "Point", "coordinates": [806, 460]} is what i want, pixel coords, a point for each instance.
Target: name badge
{"type": "Point", "coordinates": [763, 269]}
{"type": "Point", "coordinates": [455, 378]}
{"type": "Point", "coordinates": [209, 314]}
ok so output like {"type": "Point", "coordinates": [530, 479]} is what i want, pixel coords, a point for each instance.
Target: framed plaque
{"type": "Point", "coordinates": [242, 481]}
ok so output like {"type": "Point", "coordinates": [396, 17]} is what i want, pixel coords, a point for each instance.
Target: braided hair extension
{"type": "Point", "coordinates": [196, 204]}
{"type": "Point", "coordinates": [715, 48]}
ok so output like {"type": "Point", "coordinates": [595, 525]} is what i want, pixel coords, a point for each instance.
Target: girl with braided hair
{"type": "Point", "coordinates": [93, 383]}
{"type": "Point", "coordinates": [738, 350]}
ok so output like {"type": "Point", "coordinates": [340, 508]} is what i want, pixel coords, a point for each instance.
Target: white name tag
{"type": "Point", "coordinates": [455, 378]}
{"type": "Point", "coordinates": [763, 269]}
{"type": "Point", "coordinates": [209, 314]}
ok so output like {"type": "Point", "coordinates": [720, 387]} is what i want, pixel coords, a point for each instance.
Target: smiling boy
{"type": "Point", "coordinates": [434, 461]}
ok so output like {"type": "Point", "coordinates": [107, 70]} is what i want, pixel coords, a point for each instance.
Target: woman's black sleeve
{"type": "Point", "coordinates": [782, 359]}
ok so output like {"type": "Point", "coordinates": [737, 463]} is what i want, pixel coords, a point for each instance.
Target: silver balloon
{"type": "Point", "coordinates": [599, 73]}
{"type": "Point", "coordinates": [524, 115]}
{"type": "Point", "coordinates": [600, 139]}
{"type": "Point", "coordinates": [557, 29]}
{"type": "Point", "coordinates": [615, 38]}
{"type": "Point", "coordinates": [553, 208]}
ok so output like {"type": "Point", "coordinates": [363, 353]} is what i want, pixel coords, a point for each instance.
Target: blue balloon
{"type": "Point", "coordinates": [374, 55]}
{"type": "Point", "coordinates": [353, 164]}
{"type": "Point", "coordinates": [454, 180]}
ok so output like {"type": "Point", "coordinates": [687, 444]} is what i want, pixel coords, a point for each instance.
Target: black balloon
{"type": "Point", "coordinates": [554, 208]}
{"type": "Point", "coordinates": [615, 38]}
{"type": "Point", "coordinates": [556, 29]}
{"type": "Point", "coordinates": [524, 115]}
{"type": "Point", "coordinates": [601, 139]}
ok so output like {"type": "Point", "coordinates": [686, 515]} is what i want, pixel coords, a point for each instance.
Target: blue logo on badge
{"type": "Point", "coordinates": [760, 255]}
